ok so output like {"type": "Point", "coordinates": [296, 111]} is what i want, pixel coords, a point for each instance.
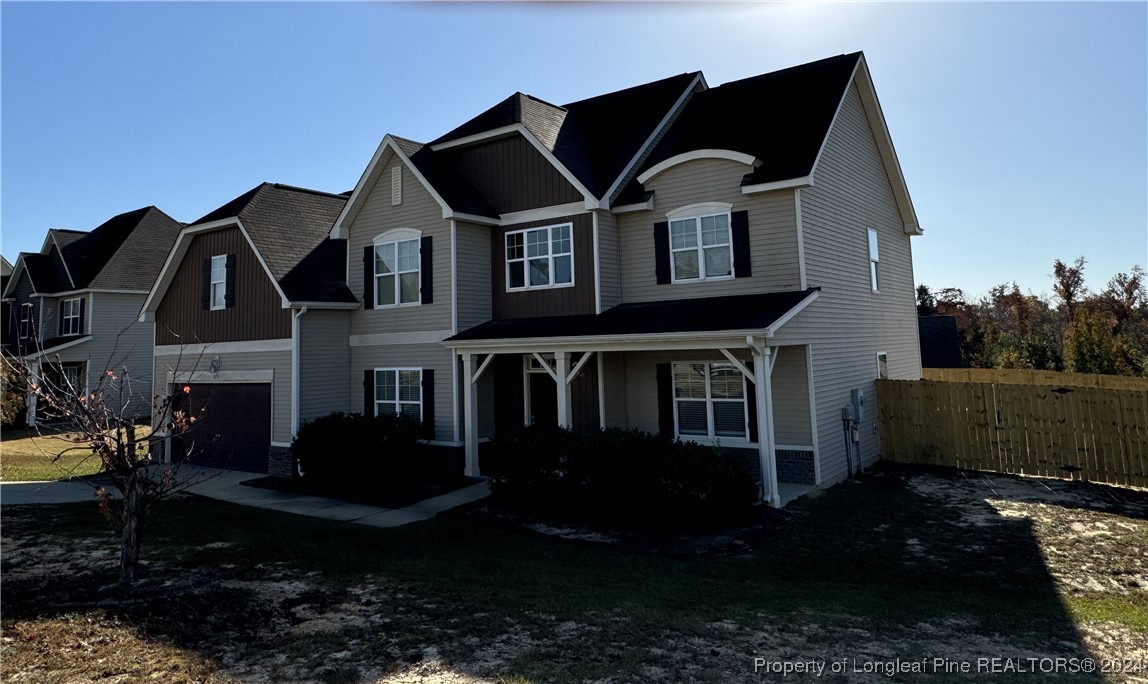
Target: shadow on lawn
{"type": "Point", "coordinates": [870, 569]}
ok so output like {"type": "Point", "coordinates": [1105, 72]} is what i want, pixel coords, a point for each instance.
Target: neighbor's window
{"type": "Point", "coordinates": [397, 273]}
{"type": "Point", "coordinates": [700, 247]}
{"type": "Point", "coordinates": [26, 312]}
{"type": "Point", "coordinates": [709, 401]}
{"type": "Point", "coordinates": [873, 260]}
{"type": "Point", "coordinates": [882, 365]}
{"type": "Point", "coordinates": [219, 282]}
{"type": "Point", "coordinates": [540, 257]}
{"type": "Point", "coordinates": [399, 391]}
{"type": "Point", "coordinates": [70, 313]}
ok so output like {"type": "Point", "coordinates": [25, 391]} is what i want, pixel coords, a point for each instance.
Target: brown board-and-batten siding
{"type": "Point", "coordinates": [257, 312]}
{"type": "Point", "coordinates": [546, 301]}
{"type": "Point", "coordinates": [513, 176]}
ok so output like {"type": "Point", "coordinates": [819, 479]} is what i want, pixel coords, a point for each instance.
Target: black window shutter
{"type": "Point", "coordinates": [751, 404]}
{"type": "Point", "coordinates": [369, 277]}
{"type": "Point", "coordinates": [425, 273]}
{"type": "Point", "coordinates": [662, 252]}
{"type": "Point", "coordinates": [739, 223]}
{"type": "Point", "coordinates": [665, 399]}
{"type": "Point", "coordinates": [428, 403]}
{"type": "Point", "coordinates": [80, 327]}
{"type": "Point", "coordinates": [229, 294]}
{"type": "Point", "coordinates": [369, 392]}
{"type": "Point", "coordinates": [205, 294]}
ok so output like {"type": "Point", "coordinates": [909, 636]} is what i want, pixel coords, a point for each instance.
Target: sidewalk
{"type": "Point", "coordinates": [224, 485]}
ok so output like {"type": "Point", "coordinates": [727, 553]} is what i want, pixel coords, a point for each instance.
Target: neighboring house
{"type": "Point", "coordinates": [244, 293]}
{"type": "Point", "coordinates": [74, 305]}
{"type": "Point", "coordinates": [940, 342]}
{"type": "Point", "coordinates": [5, 308]}
{"type": "Point", "coordinates": [730, 265]}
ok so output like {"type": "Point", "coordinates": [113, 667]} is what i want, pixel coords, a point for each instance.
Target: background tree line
{"type": "Point", "coordinates": [1075, 330]}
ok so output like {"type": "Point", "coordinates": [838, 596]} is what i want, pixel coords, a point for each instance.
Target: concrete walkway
{"type": "Point", "coordinates": [224, 485]}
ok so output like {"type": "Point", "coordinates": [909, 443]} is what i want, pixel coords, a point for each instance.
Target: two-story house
{"type": "Point", "coordinates": [730, 265]}
{"type": "Point", "coordinates": [73, 306]}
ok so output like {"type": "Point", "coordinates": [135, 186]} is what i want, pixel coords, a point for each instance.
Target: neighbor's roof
{"type": "Point", "coordinates": [705, 314]}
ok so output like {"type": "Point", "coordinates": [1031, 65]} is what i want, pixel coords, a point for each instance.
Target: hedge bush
{"type": "Point", "coordinates": [355, 450]}
{"type": "Point", "coordinates": [619, 477]}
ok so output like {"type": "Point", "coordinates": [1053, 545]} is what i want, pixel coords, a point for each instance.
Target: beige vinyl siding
{"type": "Point", "coordinates": [418, 211]}
{"type": "Point", "coordinates": [772, 233]}
{"type": "Point", "coordinates": [609, 260]}
{"type": "Point", "coordinates": [474, 274]}
{"type": "Point", "coordinates": [849, 324]}
{"type": "Point", "coordinates": [278, 362]}
{"type": "Point", "coordinates": [790, 385]}
{"type": "Point", "coordinates": [324, 361]}
{"type": "Point", "coordinates": [641, 391]}
{"type": "Point", "coordinates": [432, 356]}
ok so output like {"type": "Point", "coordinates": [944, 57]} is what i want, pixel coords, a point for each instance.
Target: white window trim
{"type": "Point", "coordinates": [886, 356]}
{"type": "Point", "coordinates": [711, 439]}
{"type": "Point", "coordinates": [874, 260]}
{"type": "Point", "coordinates": [25, 324]}
{"type": "Point", "coordinates": [397, 403]}
{"type": "Point", "coordinates": [222, 283]}
{"type": "Point", "coordinates": [550, 256]}
{"type": "Point", "coordinates": [395, 237]}
{"type": "Point", "coordinates": [64, 317]}
{"type": "Point", "coordinates": [699, 248]}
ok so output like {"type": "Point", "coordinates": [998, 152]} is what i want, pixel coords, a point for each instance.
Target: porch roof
{"type": "Point", "coordinates": [733, 314]}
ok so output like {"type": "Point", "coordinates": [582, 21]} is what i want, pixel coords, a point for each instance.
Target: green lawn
{"type": "Point", "coordinates": [28, 455]}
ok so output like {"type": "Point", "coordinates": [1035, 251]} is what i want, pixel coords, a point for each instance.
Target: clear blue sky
{"type": "Point", "coordinates": [1022, 128]}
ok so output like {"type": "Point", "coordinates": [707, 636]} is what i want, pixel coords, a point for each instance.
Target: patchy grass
{"type": "Point", "coordinates": [901, 564]}
{"type": "Point", "coordinates": [31, 456]}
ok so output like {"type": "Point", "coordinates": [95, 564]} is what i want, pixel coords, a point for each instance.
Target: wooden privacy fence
{"type": "Point", "coordinates": [1087, 433]}
{"type": "Point", "coordinates": [1025, 376]}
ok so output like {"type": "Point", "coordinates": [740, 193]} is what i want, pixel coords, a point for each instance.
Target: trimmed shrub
{"type": "Point", "coordinates": [356, 450]}
{"type": "Point", "coordinates": [619, 477]}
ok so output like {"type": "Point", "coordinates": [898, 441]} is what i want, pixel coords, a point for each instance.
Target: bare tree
{"type": "Point", "coordinates": [104, 421]}
{"type": "Point", "coordinates": [1068, 285]}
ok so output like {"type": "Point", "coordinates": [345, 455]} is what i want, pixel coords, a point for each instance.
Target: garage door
{"type": "Point", "coordinates": [232, 427]}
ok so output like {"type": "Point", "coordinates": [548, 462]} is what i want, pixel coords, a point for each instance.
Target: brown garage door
{"type": "Point", "coordinates": [232, 427]}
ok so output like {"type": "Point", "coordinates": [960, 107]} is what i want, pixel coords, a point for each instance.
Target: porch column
{"type": "Point", "coordinates": [762, 370]}
{"type": "Point", "coordinates": [562, 361]}
{"type": "Point", "coordinates": [470, 415]}
{"type": "Point", "coordinates": [601, 361]}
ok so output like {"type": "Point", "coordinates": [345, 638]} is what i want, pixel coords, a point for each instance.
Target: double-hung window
{"type": "Point", "coordinates": [873, 260]}
{"type": "Point", "coordinates": [397, 272]}
{"type": "Point", "coordinates": [399, 391]}
{"type": "Point", "coordinates": [700, 247]}
{"type": "Point", "coordinates": [709, 401]}
{"type": "Point", "coordinates": [70, 317]}
{"type": "Point", "coordinates": [26, 312]}
{"type": "Point", "coordinates": [219, 282]}
{"type": "Point", "coordinates": [540, 257]}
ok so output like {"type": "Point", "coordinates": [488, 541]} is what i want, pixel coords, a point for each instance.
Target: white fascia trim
{"type": "Point", "coordinates": [323, 305]}
{"type": "Point", "coordinates": [101, 290]}
{"type": "Point", "coordinates": [222, 377]}
{"type": "Point", "coordinates": [652, 342]}
{"type": "Point", "coordinates": [390, 339]}
{"type": "Point", "coordinates": [63, 261]}
{"type": "Point", "coordinates": [800, 238]}
{"type": "Point", "coordinates": [785, 318]}
{"type": "Point", "coordinates": [681, 101]}
{"type": "Point", "coordinates": [247, 346]}
{"type": "Point", "coordinates": [58, 348]}
{"type": "Point", "coordinates": [648, 205]}
{"type": "Point", "coordinates": [693, 155]}
{"type": "Point", "coordinates": [833, 121]}
{"type": "Point", "coordinates": [542, 213]}
{"type": "Point", "coordinates": [474, 218]}
{"type": "Point", "coordinates": [800, 182]}
{"type": "Point", "coordinates": [700, 209]}
{"type": "Point", "coordinates": [492, 134]}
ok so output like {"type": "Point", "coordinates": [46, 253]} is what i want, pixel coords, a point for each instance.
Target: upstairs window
{"type": "Point", "coordinates": [700, 248]}
{"type": "Point", "coordinates": [540, 257]}
{"type": "Point", "coordinates": [70, 313]}
{"type": "Point", "coordinates": [219, 282]}
{"type": "Point", "coordinates": [874, 282]}
{"type": "Point", "coordinates": [709, 402]}
{"type": "Point", "coordinates": [399, 391]}
{"type": "Point", "coordinates": [26, 314]}
{"type": "Point", "coordinates": [397, 273]}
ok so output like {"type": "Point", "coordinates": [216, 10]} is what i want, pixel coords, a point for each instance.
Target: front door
{"type": "Point", "coordinates": [543, 399]}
